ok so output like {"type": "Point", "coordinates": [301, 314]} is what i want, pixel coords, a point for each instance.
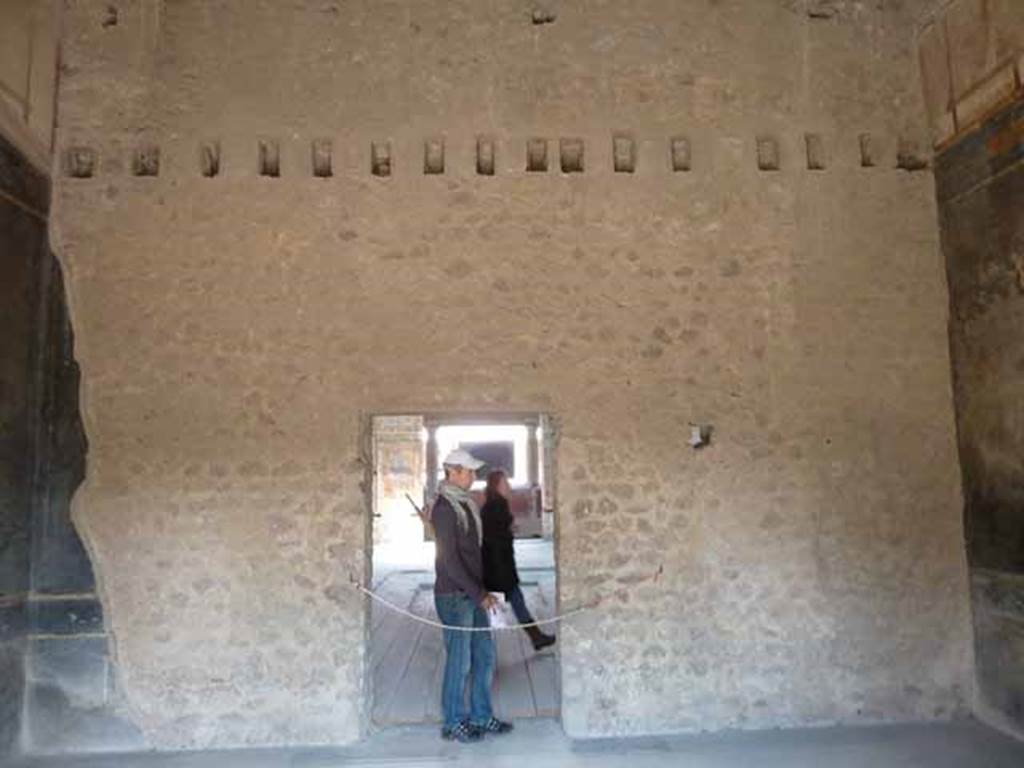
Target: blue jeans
{"type": "Point", "coordinates": [518, 603]}
{"type": "Point", "coordinates": [468, 656]}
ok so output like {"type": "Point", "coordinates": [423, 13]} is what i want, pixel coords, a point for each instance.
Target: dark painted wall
{"type": "Point", "coordinates": [981, 208]}
{"type": "Point", "coordinates": [55, 676]}
{"type": "Point", "coordinates": [59, 563]}
{"type": "Point", "coordinates": [68, 680]}
{"type": "Point", "coordinates": [24, 199]}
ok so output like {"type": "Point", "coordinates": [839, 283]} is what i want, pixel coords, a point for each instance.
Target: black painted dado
{"type": "Point", "coordinates": [981, 189]}
{"type": "Point", "coordinates": [55, 676]}
{"type": "Point", "coordinates": [58, 559]}
{"type": "Point", "coordinates": [22, 243]}
{"type": "Point", "coordinates": [980, 185]}
{"type": "Point", "coordinates": [21, 181]}
{"type": "Point", "coordinates": [23, 199]}
{"type": "Point", "coordinates": [65, 616]}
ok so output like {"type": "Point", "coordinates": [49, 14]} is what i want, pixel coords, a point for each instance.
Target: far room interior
{"type": "Point", "coordinates": [406, 658]}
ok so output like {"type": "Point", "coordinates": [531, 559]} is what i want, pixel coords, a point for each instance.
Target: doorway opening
{"type": "Point", "coordinates": [406, 658]}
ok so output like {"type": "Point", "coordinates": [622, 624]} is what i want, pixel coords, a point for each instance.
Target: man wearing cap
{"type": "Point", "coordinates": [462, 601]}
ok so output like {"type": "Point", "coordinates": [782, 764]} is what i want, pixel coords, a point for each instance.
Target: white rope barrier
{"type": "Point", "coordinates": [424, 515]}
{"type": "Point", "coordinates": [539, 623]}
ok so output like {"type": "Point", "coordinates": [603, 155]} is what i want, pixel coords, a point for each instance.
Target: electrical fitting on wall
{"type": "Point", "coordinates": [700, 436]}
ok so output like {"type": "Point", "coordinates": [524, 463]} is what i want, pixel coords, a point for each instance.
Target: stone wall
{"type": "Point", "coordinates": [278, 218]}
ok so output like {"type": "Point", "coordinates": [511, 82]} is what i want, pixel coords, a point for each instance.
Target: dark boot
{"type": "Point", "coordinates": [538, 638]}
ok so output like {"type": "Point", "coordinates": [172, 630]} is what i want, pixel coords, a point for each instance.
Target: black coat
{"type": "Point", "coordinates": [458, 565]}
{"type": "Point", "coordinates": [500, 573]}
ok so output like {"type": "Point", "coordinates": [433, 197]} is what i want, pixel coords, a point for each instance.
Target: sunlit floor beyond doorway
{"type": "Point", "coordinates": [407, 658]}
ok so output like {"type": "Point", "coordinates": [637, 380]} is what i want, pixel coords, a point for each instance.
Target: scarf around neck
{"type": "Point", "coordinates": [460, 501]}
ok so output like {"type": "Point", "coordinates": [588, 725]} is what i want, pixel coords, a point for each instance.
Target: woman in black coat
{"type": "Point", "coordinates": [500, 574]}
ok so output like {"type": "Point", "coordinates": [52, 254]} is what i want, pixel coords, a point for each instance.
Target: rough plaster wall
{"type": "Point", "coordinates": [234, 331]}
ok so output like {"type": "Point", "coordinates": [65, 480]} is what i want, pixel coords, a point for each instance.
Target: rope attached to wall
{"type": "Point", "coordinates": [592, 605]}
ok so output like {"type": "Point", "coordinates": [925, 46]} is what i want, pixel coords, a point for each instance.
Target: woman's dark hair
{"type": "Point", "coordinates": [494, 477]}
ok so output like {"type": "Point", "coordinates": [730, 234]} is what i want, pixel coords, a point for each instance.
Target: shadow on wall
{"type": "Point", "coordinates": [56, 681]}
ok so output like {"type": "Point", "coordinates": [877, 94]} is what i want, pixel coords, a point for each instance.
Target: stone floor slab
{"type": "Point", "coordinates": [543, 744]}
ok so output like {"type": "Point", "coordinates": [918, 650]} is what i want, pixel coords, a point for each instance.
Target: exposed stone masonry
{"type": "Point", "coordinates": [236, 331]}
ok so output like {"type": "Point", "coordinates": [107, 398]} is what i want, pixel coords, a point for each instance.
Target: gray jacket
{"type": "Point", "coordinates": [459, 565]}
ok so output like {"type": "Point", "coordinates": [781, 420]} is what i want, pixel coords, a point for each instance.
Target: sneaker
{"type": "Point", "coordinates": [494, 725]}
{"type": "Point", "coordinates": [463, 732]}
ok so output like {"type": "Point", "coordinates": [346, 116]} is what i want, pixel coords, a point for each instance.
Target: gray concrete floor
{"type": "Point", "coordinates": [541, 744]}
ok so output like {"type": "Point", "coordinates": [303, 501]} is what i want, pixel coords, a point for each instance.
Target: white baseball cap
{"type": "Point", "coordinates": [462, 458]}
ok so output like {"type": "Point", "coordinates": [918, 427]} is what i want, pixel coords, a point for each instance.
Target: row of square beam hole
{"type": "Point", "coordinates": [80, 161]}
